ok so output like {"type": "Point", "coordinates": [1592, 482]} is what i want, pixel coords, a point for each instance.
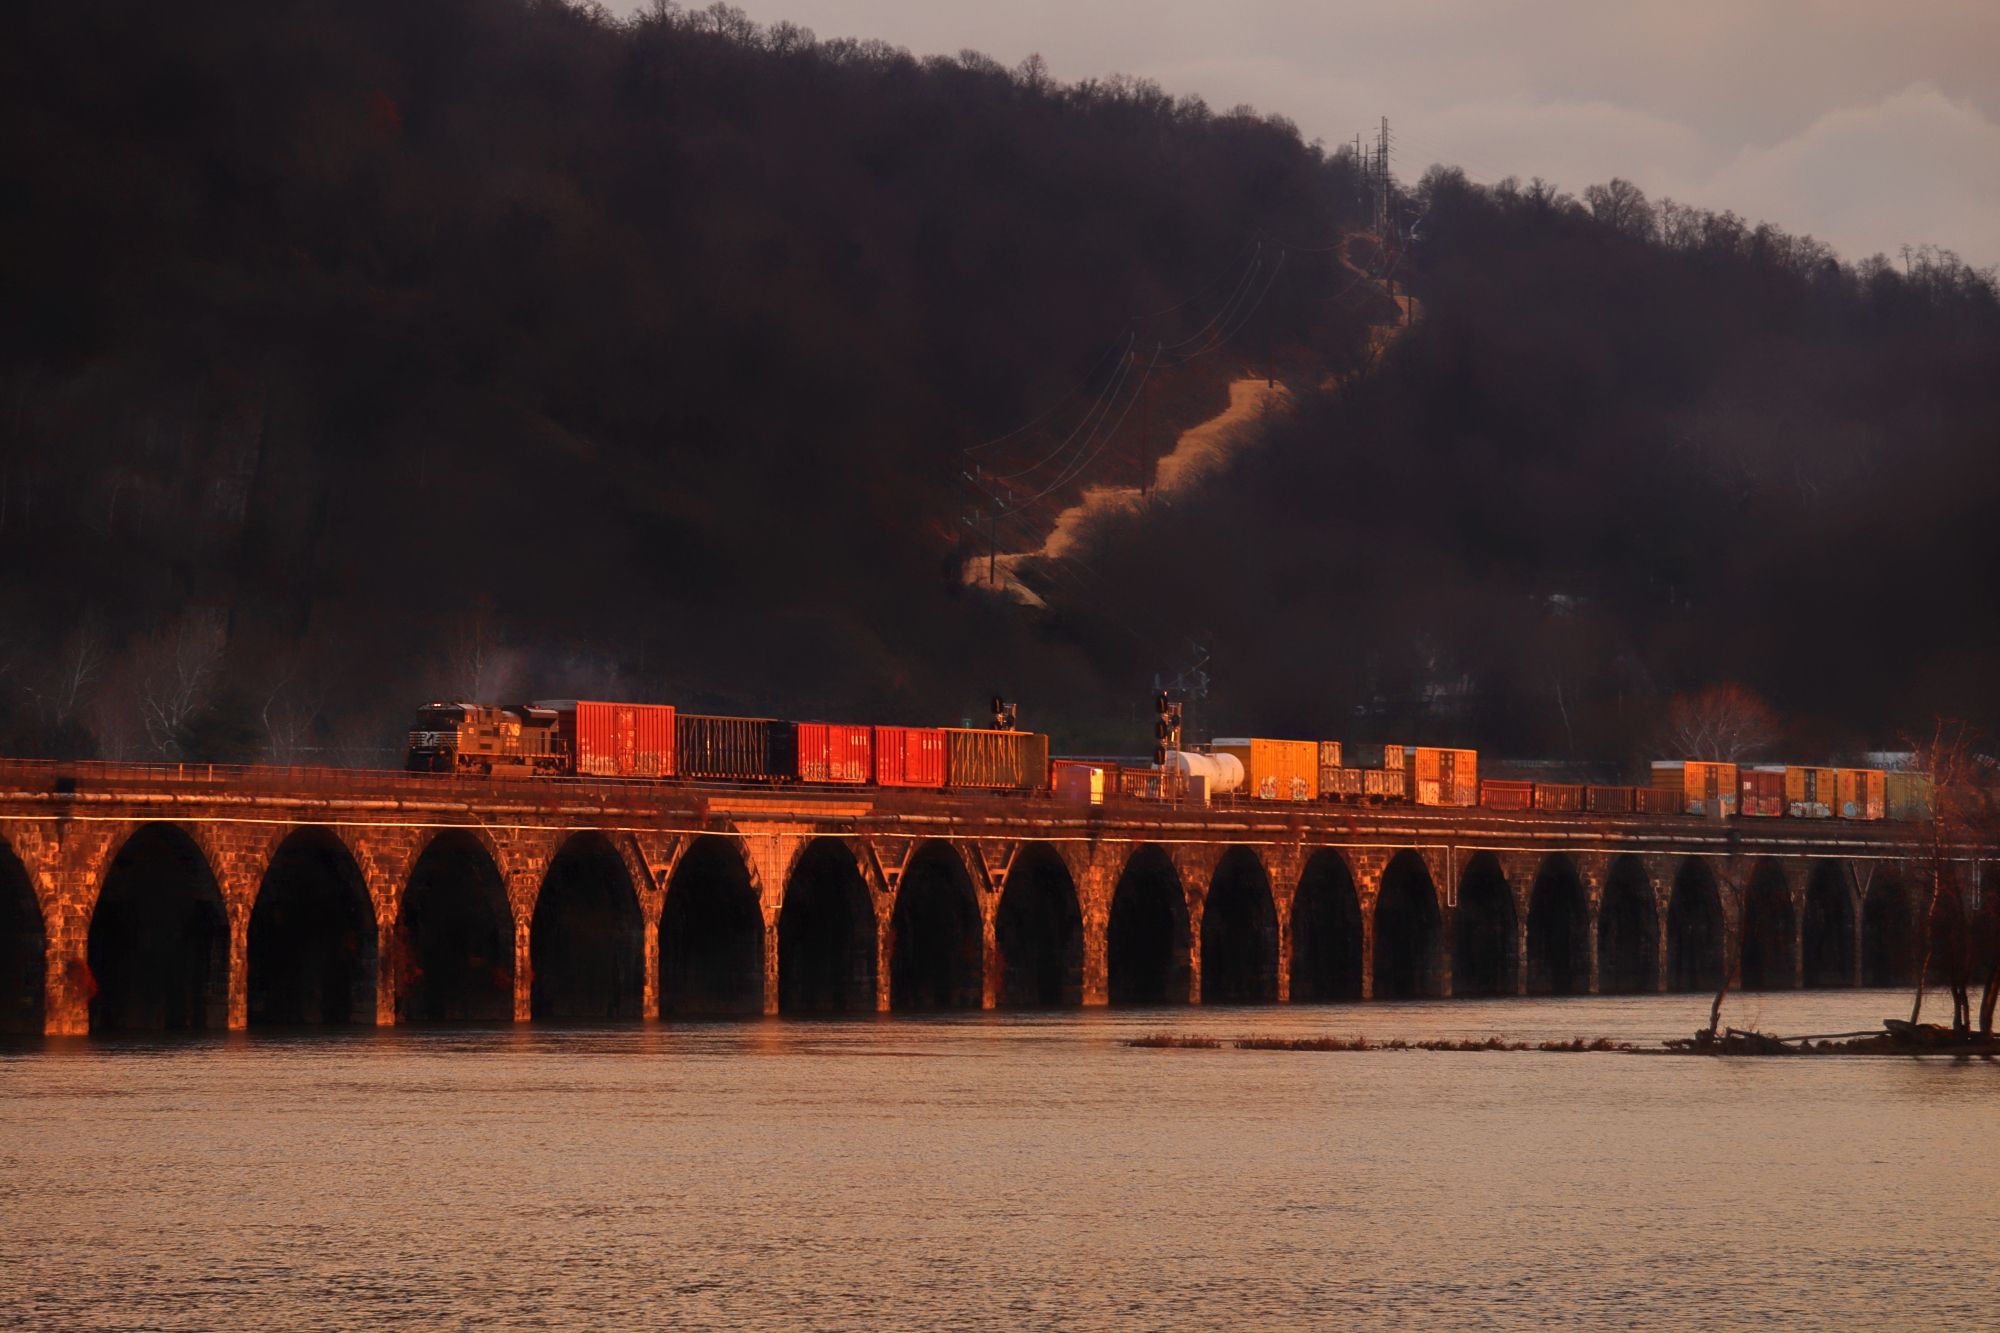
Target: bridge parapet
{"type": "Point", "coordinates": [67, 824]}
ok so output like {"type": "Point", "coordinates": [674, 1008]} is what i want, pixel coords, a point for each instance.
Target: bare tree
{"type": "Point", "coordinates": [66, 687]}
{"type": "Point", "coordinates": [1947, 834]}
{"type": "Point", "coordinates": [1622, 205]}
{"type": "Point", "coordinates": [1724, 724]}
{"type": "Point", "coordinates": [174, 670]}
{"type": "Point", "coordinates": [1732, 879]}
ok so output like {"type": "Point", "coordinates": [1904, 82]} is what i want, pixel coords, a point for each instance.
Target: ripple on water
{"type": "Point", "coordinates": [979, 1171]}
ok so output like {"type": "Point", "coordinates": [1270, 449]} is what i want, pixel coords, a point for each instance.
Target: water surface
{"type": "Point", "coordinates": [990, 1172]}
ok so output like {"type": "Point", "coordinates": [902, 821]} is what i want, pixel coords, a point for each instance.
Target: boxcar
{"type": "Point", "coordinates": [1861, 793]}
{"type": "Point", "coordinates": [613, 740]}
{"type": "Point", "coordinates": [1704, 788]}
{"type": "Point", "coordinates": [1761, 791]}
{"type": "Point", "coordinates": [1810, 792]}
{"type": "Point", "coordinates": [909, 757]}
{"type": "Point", "coordinates": [1907, 795]}
{"type": "Point", "coordinates": [829, 752]}
{"type": "Point", "coordinates": [1506, 794]}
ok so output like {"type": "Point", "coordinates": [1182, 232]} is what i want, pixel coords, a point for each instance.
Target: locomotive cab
{"type": "Point", "coordinates": [521, 741]}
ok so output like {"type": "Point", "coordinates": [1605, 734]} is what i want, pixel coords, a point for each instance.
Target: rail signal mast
{"type": "Point", "coordinates": [1167, 730]}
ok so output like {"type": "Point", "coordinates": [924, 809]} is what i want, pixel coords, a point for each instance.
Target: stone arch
{"type": "Point", "coordinates": [1558, 929]}
{"type": "Point", "coordinates": [1409, 934]}
{"type": "Point", "coordinates": [936, 955]}
{"type": "Point", "coordinates": [1239, 933]}
{"type": "Point", "coordinates": [1695, 929]}
{"type": "Point", "coordinates": [1327, 935]}
{"type": "Point", "coordinates": [1829, 936]}
{"type": "Point", "coordinates": [1888, 933]}
{"type": "Point", "coordinates": [158, 948]}
{"type": "Point", "coordinates": [1147, 939]}
{"type": "Point", "coordinates": [1486, 930]}
{"type": "Point", "coordinates": [826, 934]}
{"type": "Point", "coordinates": [24, 941]}
{"type": "Point", "coordinates": [587, 938]}
{"type": "Point", "coordinates": [1770, 931]}
{"type": "Point", "coordinates": [454, 945]}
{"type": "Point", "coordinates": [1628, 930]}
{"type": "Point", "coordinates": [712, 955]}
{"type": "Point", "coordinates": [312, 952]}
{"type": "Point", "coordinates": [1039, 932]}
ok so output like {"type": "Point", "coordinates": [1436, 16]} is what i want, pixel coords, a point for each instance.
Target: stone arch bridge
{"type": "Point", "coordinates": [183, 896]}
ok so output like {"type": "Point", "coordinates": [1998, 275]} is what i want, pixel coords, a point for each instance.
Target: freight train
{"type": "Point", "coordinates": [580, 738]}
{"type": "Point", "coordinates": [572, 737]}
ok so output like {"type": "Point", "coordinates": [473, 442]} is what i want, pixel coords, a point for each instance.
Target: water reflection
{"type": "Point", "coordinates": [973, 1170]}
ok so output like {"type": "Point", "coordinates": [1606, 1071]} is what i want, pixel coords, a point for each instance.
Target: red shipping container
{"type": "Point", "coordinates": [1504, 794]}
{"type": "Point", "coordinates": [617, 740]}
{"type": "Point", "coordinates": [909, 756]}
{"type": "Point", "coordinates": [832, 753]}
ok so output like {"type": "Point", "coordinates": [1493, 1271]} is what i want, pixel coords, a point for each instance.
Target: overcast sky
{"type": "Point", "coordinates": [1869, 125]}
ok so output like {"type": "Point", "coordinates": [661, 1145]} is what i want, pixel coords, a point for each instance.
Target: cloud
{"type": "Point", "coordinates": [1915, 168]}
{"type": "Point", "coordinates": [1867, 125]}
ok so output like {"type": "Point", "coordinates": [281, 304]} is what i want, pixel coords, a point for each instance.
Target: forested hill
{"type": "Point", "coordinates": [483, 345]}
{"type": "Point", "coordinates": [359, 352]}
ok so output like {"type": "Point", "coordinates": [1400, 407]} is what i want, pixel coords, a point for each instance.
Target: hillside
{"type": "Point", "coordinates": [370, 351]}
{"type": "Point", "coordinates": [361, 352]}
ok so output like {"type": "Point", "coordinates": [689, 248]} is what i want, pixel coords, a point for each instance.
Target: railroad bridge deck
{"type": "Point", "coordinates": [135, 896]}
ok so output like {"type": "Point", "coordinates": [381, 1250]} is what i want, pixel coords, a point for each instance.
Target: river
{"type": "Point", "coordinates": [1001, 1172]}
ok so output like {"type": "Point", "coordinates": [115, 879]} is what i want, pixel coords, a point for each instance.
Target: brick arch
{"type": "Point", "coordinates": [304, 956]}
{"type": "Point", "coordinates": [144, 970]}
{"type": "Point", "coordinates": [830, 930]}
{"type": "Point", "coordinates": [41, 886]}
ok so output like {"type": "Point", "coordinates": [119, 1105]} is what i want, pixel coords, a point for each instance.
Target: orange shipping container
{"type": "Point", "coordinates": [909, 757]}
{"type": "Point", "coordinates": [1329, 754]}
{"type": "Point", "coordinates": [1861, 793]}
{"type": "Point", "coordinates": [1275, 770]}
{"type": "Point", "coordinates": [832, 753]}
{"type": "Point", "coordinates": [1447, 777]}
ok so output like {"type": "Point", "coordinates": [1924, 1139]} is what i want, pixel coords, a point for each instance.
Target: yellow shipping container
{"type": "Point", "coordinates": [1809, 792]}
{"type": "Point", "coordinates": [1709, 789]}
{"type": "Point", "coordinates": [1447, 777]}
{"type": "Point", "coordinates": [1275, 770]}
{"type": "Point", "coordinates": [1862, 793]}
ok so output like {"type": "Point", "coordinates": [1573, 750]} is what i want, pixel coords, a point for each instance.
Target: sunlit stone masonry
{"type": "Point", "coordinates": [149, 897]}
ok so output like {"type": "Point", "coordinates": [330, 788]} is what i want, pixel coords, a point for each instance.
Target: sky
{"type": "Point", "coordinates": [1868, 125]}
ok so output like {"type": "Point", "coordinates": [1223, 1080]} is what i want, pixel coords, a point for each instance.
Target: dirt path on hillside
{"type": "Point", "coordinates": [1199, 451]}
